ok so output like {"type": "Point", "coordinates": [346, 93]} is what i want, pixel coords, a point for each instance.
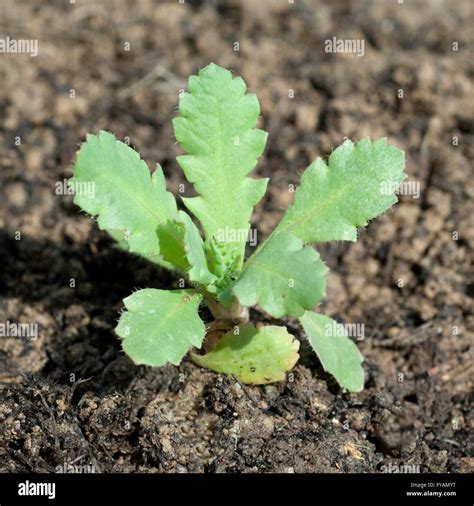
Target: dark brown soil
{"type": "Point", "coordinates": [72, 397]}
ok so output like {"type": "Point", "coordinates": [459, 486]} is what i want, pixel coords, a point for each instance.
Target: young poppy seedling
{"type": "Point", "coordinates": [284, 276]}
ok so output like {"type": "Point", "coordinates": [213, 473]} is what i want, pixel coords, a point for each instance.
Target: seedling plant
{"type": "Point", "coordinates": [284, 276]}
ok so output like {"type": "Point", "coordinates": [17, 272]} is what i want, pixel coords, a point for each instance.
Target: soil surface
{"type": "Point", "coordinates": [72, 398]}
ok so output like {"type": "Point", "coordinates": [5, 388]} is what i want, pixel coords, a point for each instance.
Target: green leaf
{"type": "Point", "coordinates": [160, 326]}
{"type": "Point", "coordinates": [198, 270]}
{"type": "Point", "coordinates": [122, 244]}
{"type": "Point", "coordinates": [337, 353]}
{"type": "Point", "coordinates": [171, 236]}
{"type": "Point", "coordinates": [255, 355]}
{"type": "Point", "coordinates": [181, 244]}
{"type": "Point", "coordinates": [357, 186]}
{"type": "Point", "coordinates": [125, 197]}
{"type": "Point", "coordinates": [217, 130]}
{"type": "Point", "coordinates": [119, 237]}
{"type": "Point", "coordinates": [283, 277]}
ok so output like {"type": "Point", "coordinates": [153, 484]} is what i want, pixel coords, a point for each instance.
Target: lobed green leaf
{"type": "Point", "coordinates": [358, 185]}
{"type": "Point", "coordinates": [160, 326]}
{"type": "Point", "coordinates": [337, 353]}
{"type": "Point", "coordinates": [254, 355]}
{"type": "Point", "coordinates": [125, 197]}
{"type": "Point", "coordinates": [217, 130]}
{"type": "Point", "coordinates": [283, 277]}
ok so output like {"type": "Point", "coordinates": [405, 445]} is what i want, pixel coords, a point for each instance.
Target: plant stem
{"type": "Point", "coordinates": [235, 312]}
